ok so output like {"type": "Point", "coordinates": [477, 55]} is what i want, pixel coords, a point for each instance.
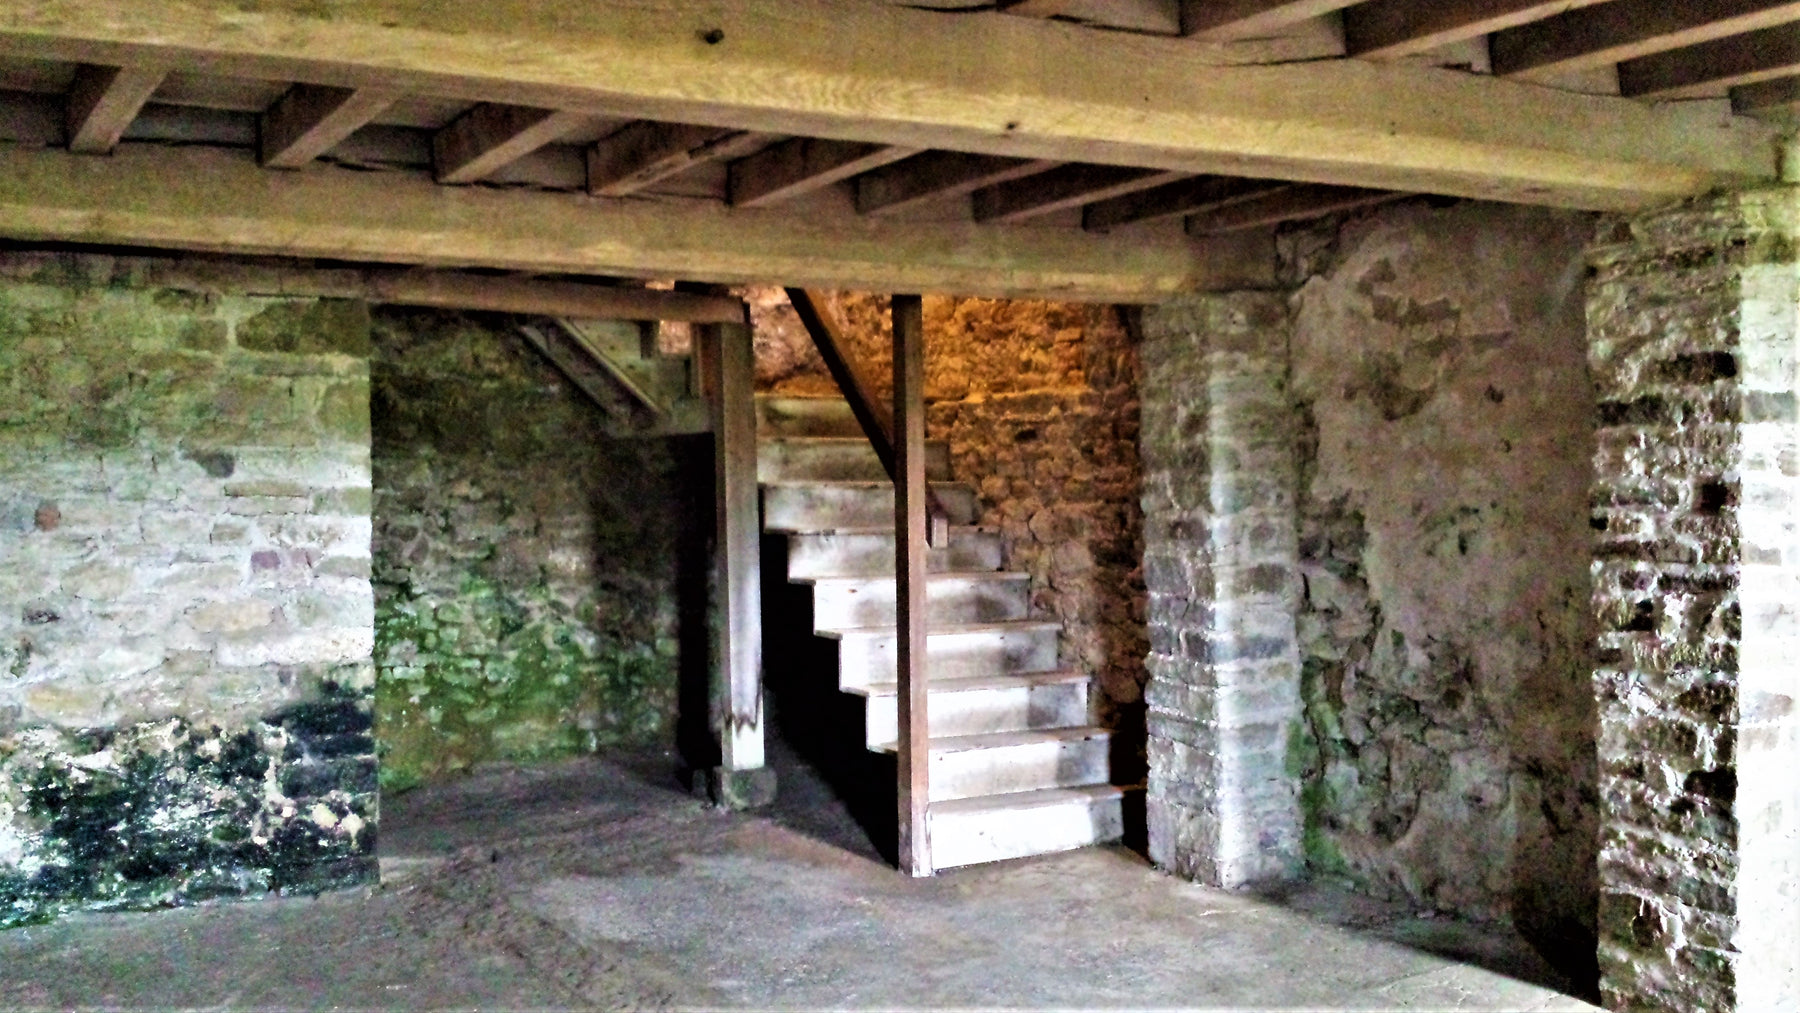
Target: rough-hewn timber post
{"type": "Point", "coordinates": [909, 571]}
{"type": "Point", "coordinates": [741, 780]}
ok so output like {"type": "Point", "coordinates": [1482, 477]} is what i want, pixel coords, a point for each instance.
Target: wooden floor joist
{"type": "Point", "coordinates": [1286, 204]}
{"type": "Point", "coordinates": [1780, 95]}
{"type": "Point", "coordinates": [104, 100]}
{"type": "Point", "coordinates": [1173, 200]}
{"type": "Point", "coordinates": [208, 199]}
{"type": "Point", "coordinates": [312, 119]}
{"type": "Point", "coordinates": [1384, 29]}
{"type": "Point", "coordinates": [1061, 188]}
{"type": "Point", "coordinates": [1227, 20]}
{"type": "Point", "coordinates": [1019, 87]}
{"type": "Point", "coordinates": [488, 137]}
{"type": "Point", "coordinates": [645, 153]}
{"type": "Point", "coordinates": [1739, 60]}
{"type": "Point", "coordinates": [1623, 30]}
{"type": "Point", "coordinates": [938, 175]}
{"type": "Point", "coordinates": [1162, 17]}
{"type": "Point", "coordinates": [801, 165]}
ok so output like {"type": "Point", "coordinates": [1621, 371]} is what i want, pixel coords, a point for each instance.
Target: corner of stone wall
{"type": "Point", "coordinates": [185, 609]}
{"type": "Point", "coordinates": [1220, 564]}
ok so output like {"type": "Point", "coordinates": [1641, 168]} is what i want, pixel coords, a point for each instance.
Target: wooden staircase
{"type": "Point", "coordinates": [1016, 765]}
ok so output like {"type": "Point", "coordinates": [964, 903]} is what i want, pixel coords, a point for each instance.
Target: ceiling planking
{"type": "Point", "coordinates": [302, 105]}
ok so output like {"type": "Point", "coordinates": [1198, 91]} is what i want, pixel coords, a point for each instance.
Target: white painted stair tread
{"type": "Point", "coordinates": [993, 828]}
{"type": "Point", "coordinates": [1020, 801]}
{"type": "Point", "coordinates": [1003, 740]}
{"type": "Point", "coordinates": [993, 763]}
{"type": "Point", "coordinates": [955, 529]}
{"type": "Point", "coordinates": [980, 683]}
{"type": "Point", "coordinates": [946, 629]}
{"type": "Point", "coordinates": [938, 577]}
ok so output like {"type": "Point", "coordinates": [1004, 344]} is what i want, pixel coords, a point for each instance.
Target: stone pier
{"type": "Point", "coordinates": [1697, 589]}
{"type": "Point", "coordinates": [1220, 564]}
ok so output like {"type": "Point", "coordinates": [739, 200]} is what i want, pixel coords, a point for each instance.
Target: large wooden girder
{"type": "Point", "coordinates": [881, 74]}
{"type": "Point", "coordinates": [220, 201]}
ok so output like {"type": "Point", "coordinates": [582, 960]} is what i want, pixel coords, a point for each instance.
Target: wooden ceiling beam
{"type": "Point", "coordinates": [465, 291]}
{"type": "Point", "coordinates": [1230, 20]}
{"type": "Point", "coordinates": [490, 136]}
{"type": "Point", "coordinates": [1294, 203]}
{"type": "Point", "coordinates": [1387, 29]}
{"type": "Point", "coordinates": [643, 154]}
{"type": "Point", "coordinates": [1019, 87]}
{"type": "Point", "coordinates": [1739, 60]}
{"type": "Point", "coordinates": [1625, 30]}
{"type": "Point", "coordinates": [311, 119]}
{"type": "Point", "coordinates": [1173, 200]}
{"type": "Point", "coordinates": [103, 101]}
{"type": "Point", "coordinates": [216, 200]}
{"type": "Point", "coordinates": [938, 175]}
{"type": "Point", "coordinates": [1062, 188]}
{"type": "Point", "coordinates": [801, 165]}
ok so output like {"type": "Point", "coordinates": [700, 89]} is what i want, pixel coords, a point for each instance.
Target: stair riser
{"type": "Point", "coordinates": [836, 461]}
{"type": "Point", "coordinates": [838, 606]}
{"type": "Point", "coordinates": [973, 712]}
{"type": "Point", "coordinates": [1056, 764]}
{"type": "Point", "coordinates": [971, 838]}
{"type": "Point", "coordinates": [803, 417]}
{"type": "Point", "coordinates": [804, 508]}
{"type": "Point", "coordinates": [868, 661]}
{"type": "Point", "coordinates": [831, 555]}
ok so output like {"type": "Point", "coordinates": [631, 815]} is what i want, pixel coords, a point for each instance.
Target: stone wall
{"type": "Point", "coordinates": [1696, 574]}
{"type": "Point", "coordinates": [1447, 417]}
{"type": "Point", "coordinates": [526, 563]}
{"type": "Point", "coordinates": [1039, 404]}
{"type": "Point", "coordinates": [185, 611]}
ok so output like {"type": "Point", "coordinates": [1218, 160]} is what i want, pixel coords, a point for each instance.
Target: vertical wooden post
{"type": "Point", "coordinates": [727, 357]}
{"type": "Point", "coordinates": [909, 571]}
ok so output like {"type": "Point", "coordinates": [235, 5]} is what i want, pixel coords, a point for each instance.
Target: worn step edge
{"type": "Point", "coordinates": [980, 683]}
{"type": "Point", "coordinates": [1004, 740]}
{"type": "Point", "coordinates": [945, 630]}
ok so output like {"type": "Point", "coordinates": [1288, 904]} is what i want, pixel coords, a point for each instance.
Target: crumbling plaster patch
{"type": "Point", "coordinates": [1439, 365]}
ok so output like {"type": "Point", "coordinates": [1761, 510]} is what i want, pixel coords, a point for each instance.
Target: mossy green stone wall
{"type": "Point", "coordinates": [525, 562]}
{"type": "Point", "coordinates": [185, 613]}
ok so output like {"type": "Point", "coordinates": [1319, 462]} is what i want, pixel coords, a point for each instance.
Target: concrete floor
{"type": "Point", "coordinates": [595, 884]}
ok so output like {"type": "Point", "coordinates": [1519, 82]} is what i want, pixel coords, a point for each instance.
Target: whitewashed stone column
{"type": "Point", "coordinates": [1220, 564]}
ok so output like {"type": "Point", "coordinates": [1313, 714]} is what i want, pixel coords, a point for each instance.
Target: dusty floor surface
{"type": "Point", "coordinates": [595, 884]}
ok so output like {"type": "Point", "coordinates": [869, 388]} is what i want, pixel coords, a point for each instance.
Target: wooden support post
{"type": "Point", "coordinates": [909, 573]}
{"type": "Point", "coordinates": [737, 701]}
